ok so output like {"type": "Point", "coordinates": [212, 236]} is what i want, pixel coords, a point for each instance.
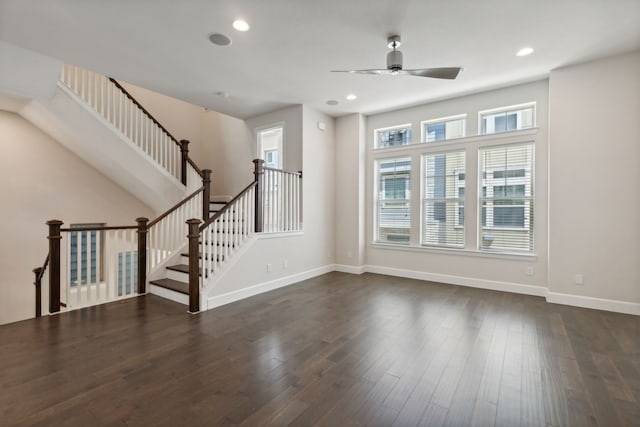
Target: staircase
{"type": "Point", "coordinates": [155, 252]}
{"type": "Point", "coordinates": [175, 285]}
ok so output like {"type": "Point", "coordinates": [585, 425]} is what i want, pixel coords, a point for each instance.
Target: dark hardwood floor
{"type": "Point", "coordinates": [337, 350]}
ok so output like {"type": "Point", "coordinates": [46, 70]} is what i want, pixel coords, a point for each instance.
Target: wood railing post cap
{"type": "Point", "coordinates": [142, 219]}
{"type": "Point", "coordinates": [54, 222]}
{"type": "Point", "coordinates": [194, 221]}
{"type": "Point", "coordinates": [37, 270]}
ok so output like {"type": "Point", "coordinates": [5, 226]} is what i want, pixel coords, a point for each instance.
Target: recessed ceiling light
{"type": "Point", "coordinates": [332, 102]}
{"type": "Point", "coordinates": [525, 51]}
{"type": "Point", "coordinates": [219, 39]}
{"type": "Point", "coordinates": [241, 25]}
{"type": "Point", "coordinates": [351, 97]}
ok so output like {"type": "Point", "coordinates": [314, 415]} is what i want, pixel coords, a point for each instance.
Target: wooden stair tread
{"type": "Point", "coordinates": [220, 256]}
{"type": "Point", "coordinates": [174, 285]}
{"type": "Point", "coordinates": [182, 268]}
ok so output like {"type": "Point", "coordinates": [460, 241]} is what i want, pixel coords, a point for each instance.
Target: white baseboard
{"type": "Point", "coordinates": [218, 300]}
{"type": "Point", "coordinates": [352, 269]}
{"type": "Point", "coordinates": [594, 303]}
{"type": "Point", "coordinates": [516, 288]}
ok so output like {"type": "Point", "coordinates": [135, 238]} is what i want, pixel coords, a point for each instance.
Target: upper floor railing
{"type": "Point", "coordinates": [119, 108]}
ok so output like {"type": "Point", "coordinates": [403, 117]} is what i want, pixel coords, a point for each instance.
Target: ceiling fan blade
{"type": "Point", "coordinates": [379, 72]}
{"type": "Point", "coordinates": [449, 73]}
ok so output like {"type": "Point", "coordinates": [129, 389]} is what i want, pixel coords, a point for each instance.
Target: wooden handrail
{"type": "Point", "coordinates": [176, 206]}
{"type": "Point", "coordinates": [119, 227]}
{"type": "Point", "coordinates": [193, 164]}
{"type": "Point", "coordinates": [144, 110]}
{"type": "Point", "coordinates": [226, 207]}
{"type": "Point", "coordinates": [299, 173]}
{"type": "Point", "coordinates": [42, 269]}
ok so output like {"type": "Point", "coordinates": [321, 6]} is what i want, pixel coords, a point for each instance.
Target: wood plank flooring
{"type": "Point", "coordinates": [336, 350]}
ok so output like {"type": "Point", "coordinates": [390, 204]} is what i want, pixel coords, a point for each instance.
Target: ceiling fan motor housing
{"type": "Point", "coordinates": [394, 60]}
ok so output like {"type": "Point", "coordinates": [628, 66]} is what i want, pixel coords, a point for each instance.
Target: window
{"type": "Point", "coordinates": [506, 199]}
{"type": "Point", "coordinates": [270, 141]}
{"type": "Point", "coordinates": [127, 273]}
{"type": "Point", "coordinates": [393, 137]}
{"type": "Point", "coordinates": [445, 128]}
{"type": "Point", "coordinates": [507, 119]}
{"type": "Point", "coordinates": [393, 207]}
{"type": "Point", "coordinates": [85, 255]}
{"type": "Point", "coordinates": [443, 203]}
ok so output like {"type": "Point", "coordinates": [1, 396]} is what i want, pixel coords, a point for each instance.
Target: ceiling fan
{"type": "Point", "coordinates": [394, 66]}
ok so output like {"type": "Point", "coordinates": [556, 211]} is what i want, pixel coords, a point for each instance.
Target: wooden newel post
{"type": "Point", "coordinates": [38, 283]}
{"type": "Point", "coordinates": [259, 178]}
{"type": "Point", "coordinates": [184, 151]}
{"type": "Point", "coordinates": [54, 264]}
{"type": "Point", "coordinates": [194, 264]}
{"type": "Point", "coordinates": [142, 254]}
{"type": "Point", "coordinates": [206, 193]}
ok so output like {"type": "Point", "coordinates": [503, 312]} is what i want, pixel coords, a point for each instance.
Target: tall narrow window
{"type": "Point", "coordinates": [443, 210]}
{"type": "Point", "coordinates": [506, 199]}
{"type": "Point", "coordinates": [393, 210]}
{"type": "Point", "coordinates": [270, 143]}
{"type": "Point", "coordinates": [393, 137]}
{"type": "Point", "coordinates": [507, 119]}
{"type": "Point", "coordinates": [445, 128]}
{"type": "Point", "coordinates": [85, 255]}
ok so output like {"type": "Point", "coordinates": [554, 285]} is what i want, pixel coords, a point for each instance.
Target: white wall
{"type": "Point", "coordinates": [594, 196]}
{"type": "Point", "coordinates": [42, 180]}
{"type": "Point", "coordinates": [292, 144]}
{"type": "Point", "coordinates": [469, 266]}
{"type": "Point", "coordinates": [313, 250]}
{"type": "Point", "coordinates": [350, 191]}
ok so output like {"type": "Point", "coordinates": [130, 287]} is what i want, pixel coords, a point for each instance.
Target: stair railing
{"type": "Point", "coordinates": [271, 203]}
{"type": "Point", "coordinates": [40, 276]}
{"type": "Point", "coordinates": [118, 107]}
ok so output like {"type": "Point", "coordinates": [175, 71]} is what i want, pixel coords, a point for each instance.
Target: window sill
{"type": "Point", "coordinates": [458, 252]}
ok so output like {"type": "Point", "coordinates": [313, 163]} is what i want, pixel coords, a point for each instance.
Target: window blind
{"type": "Point", "coordinates": [393, 205]}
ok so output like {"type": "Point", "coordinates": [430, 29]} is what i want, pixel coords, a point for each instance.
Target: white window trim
{"type": "Point", "coordinates": [505, 110]}
{"type": "Point", "coordinates": [270, 126]}
{"type": "Point", "coordinates": [395, 127]}
{"type": "Point", "coordinates": [423, 135]}
{"type": "Point", "coordinates": [376, 200]}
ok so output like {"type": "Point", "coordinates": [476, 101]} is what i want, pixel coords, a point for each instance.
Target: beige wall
{"type": "Point", "coordinates": [42, 180]}
{"type": "Point", "coordinates": [350, 190]}
{"type": "Point", "coordinates": [594, 196]}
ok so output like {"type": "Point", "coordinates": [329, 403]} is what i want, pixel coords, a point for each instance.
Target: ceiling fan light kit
{"type": "Point", "coordinates": [394, 65]}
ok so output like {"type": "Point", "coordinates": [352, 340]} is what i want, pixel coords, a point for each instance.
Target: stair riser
{"type": "Point", "coordinates": [177, 275]}
{"type": "Point", "coordinates": [169, 294]}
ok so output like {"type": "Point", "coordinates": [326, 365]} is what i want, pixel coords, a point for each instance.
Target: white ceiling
{"type": "Point", "coordinates": [293, 44]}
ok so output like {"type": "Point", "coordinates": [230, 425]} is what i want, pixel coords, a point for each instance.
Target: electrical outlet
{"type": "Point", "coordinates": [285, 263]}
{"type": "Point", "coordinates": [529, 271]}
{"type": "Point", "coordinates": [269, 268]}
{"type": "Point", "coordinates": [579, 279]}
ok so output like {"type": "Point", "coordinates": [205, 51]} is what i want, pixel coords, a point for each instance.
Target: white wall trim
{"type": "Point", "coordinates": [352, 269]}
{"type": "Point", "coordinates": [516, 288]}
{"type": "Point", "coordinates": [218, 300]}
{"type": "Point", "coordinates": [594, 303]}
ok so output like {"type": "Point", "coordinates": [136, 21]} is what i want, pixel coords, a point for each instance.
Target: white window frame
{"type": "Point", "coordinates": [456, 197]}
{"type": "Point", "coordinates": [258, 145]}
{"type": "Point", "coordinates": [376, 198]}
{"type": "Point", "coordinates": [385, 129]}
{"type": "Point", "coordinates": [425, 123]}
{"type": "Point", "coordinates": [529, 184]}
{"type": "Point", "coordinates": [508, 109]}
